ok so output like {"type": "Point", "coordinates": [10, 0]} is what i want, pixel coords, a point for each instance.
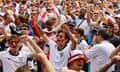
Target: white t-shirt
{"type": "Point", "coordinates": [83, 25]}
{"type": "Point", "coordinates": [99, 54]}
{"type": "Point", "coordinates": [25, 49]}
{"type": "Point", "coordinates": [81, 45]}
{"type": "Point", "coordinates": [10, 62]}
{"type": "Point", "coordinates": [58, 58]}
{"type": "Point", "coordinates": [7, 27]}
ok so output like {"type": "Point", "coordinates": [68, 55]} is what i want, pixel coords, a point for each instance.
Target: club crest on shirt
{"type": "Point", "coordinates": [61, 54]}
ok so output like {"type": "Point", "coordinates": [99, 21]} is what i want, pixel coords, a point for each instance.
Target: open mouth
{"type": "Point", "coordinates": [80, 65]}
{"type": "Point", "coordinates": [58, 40]}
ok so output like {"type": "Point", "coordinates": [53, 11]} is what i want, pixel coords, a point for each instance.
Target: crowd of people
{"type": "Point", "coordinates": [59, 35]}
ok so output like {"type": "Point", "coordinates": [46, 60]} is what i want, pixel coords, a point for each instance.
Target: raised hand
{"type": "Point", "coordinates": [65, 28]}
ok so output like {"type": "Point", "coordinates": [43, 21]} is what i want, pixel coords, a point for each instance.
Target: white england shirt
{"type": "Point", "coordinates": [11, 63]}
{"type": "Point", "coordinates": [58, 58]}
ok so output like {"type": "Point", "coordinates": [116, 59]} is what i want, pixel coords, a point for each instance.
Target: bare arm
{"type": "Point", "coordinates": [33, 46]}
{"type": "Point", "coordinates": [59, 25]}
{"type": "Point", "coordinates": [72, 38]}
{"type": "Point", "coordinates": [42, 33]}
{"type": "Point", "coordinates": [115, 52]}
{"type": "Point", "coordinates": [105, 67]}
{"type": "Point", "coordinates": [42, 57]}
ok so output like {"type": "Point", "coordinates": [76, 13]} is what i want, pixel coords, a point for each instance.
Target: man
{"type": "Point", "coordinates": [117, 19]}
{"type": "Point", "coordinates": [59, 50]}
{"type": "Point", "coordinates": [99, 54]}
{"type": "Point", "coordinates": [81, 43]}
{"type": "Point", "coordinates": [115, 59]}
{"type": "Point", "coordinates": [13, 58]}
{"type": "Point", "coordinates": [75, 62]}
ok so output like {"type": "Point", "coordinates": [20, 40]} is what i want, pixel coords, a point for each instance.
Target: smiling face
{"type": "Point", "coordinates": [61, 38]}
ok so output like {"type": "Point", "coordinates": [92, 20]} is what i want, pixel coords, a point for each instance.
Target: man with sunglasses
{"type": "Point", "coordinates": [12, 58]}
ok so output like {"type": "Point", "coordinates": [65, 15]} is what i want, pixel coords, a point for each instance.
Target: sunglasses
{"type": "Point", "coordinates": [11, 42]}
{"type": "Point", "coordinates": [24, 28]}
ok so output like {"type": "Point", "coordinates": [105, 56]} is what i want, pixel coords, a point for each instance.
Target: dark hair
{"type": "Point", "coordinates": [110, 25]}
{"type": "Point", "coordinates": [80, 31]}
{"type": "Point", "coordinates": [49, 22]}
{"type": "Point", "coordinates": [66, 36]}
{"type": "Point", "coordinates": [95, 29]}
{"type": "Point", "coordinates": [22, 18]}
{"type": "Point", "coordinates": [104, 34]}
{"type": "Point", "coordinates": [5, 16]}
{"type": "Point", "coordinates": [24, 25]}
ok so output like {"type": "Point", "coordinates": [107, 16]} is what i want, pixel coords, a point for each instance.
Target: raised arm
{"type": "Point", "coordinates": [59, 25]}
{"type": "Point", "coordinates": [45, 37]}
{"type": "Point", "coordinates": [66, 29]}
{"type": "Point", "coordinates": [115, 52]}
{"type": "Point", "coordinates": [40, 56]}
{"type": "Point", "coordinates": [106, 66]}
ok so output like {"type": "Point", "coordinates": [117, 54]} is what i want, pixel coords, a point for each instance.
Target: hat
{"type": "Point", "coordinates": [95, 29]}
{"type": "Point", "coordinates": [14, 4]}
{"type": "Point", "coordinates": [72, 23]}
{"type": "Point", "coordinates": [117, 16]}
{"type": "Point", "coordinates": [75, 55]}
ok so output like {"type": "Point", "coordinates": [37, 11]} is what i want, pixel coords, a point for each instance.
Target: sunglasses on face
{"type": "Point", "coordinates": [11, 42]}
{"type": "Point", "coordinates": [24, 28]}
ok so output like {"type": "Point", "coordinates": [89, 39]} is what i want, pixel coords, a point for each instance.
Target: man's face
{"type": "Point", "coordinates": [117, 20]}
{"type": "Point", "coordinates": [8, 19]}
{"type": "Point", "coordinates": [61, 39]}
{"type": "Point", "coordinates": [98, 37]}
{"type": "Point", "coordinates": [14, 44]}
{"type": "Point", "coordinates": [25, 30]}
{"type": "Point", "coordinates": [21, 8]}
{"type": "Point", "coordinates": [77, 64]}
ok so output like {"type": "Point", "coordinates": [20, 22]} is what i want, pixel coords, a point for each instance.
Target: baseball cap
{"type": "Point", "coordinates": [75, 55]}
{"type": "Point", "coordinates": [72, 23]}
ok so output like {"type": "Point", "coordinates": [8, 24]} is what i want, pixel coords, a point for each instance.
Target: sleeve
{"type": "Point", "coordinates": [93, 52]}
{"type": "Point", "coordinates": [50, 43]}
{"type": "Point", "coordinates": [83, 44]}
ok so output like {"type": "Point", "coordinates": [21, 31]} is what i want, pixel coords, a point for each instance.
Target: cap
{"type": "Point", "coordinates": [72, 23]}
{"type": "Point", "coordinates": [14, 4]}
{"type": "Point", "coordinates": [95, 29]}
{"type": "Point", "coordinates": [75, 55]}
